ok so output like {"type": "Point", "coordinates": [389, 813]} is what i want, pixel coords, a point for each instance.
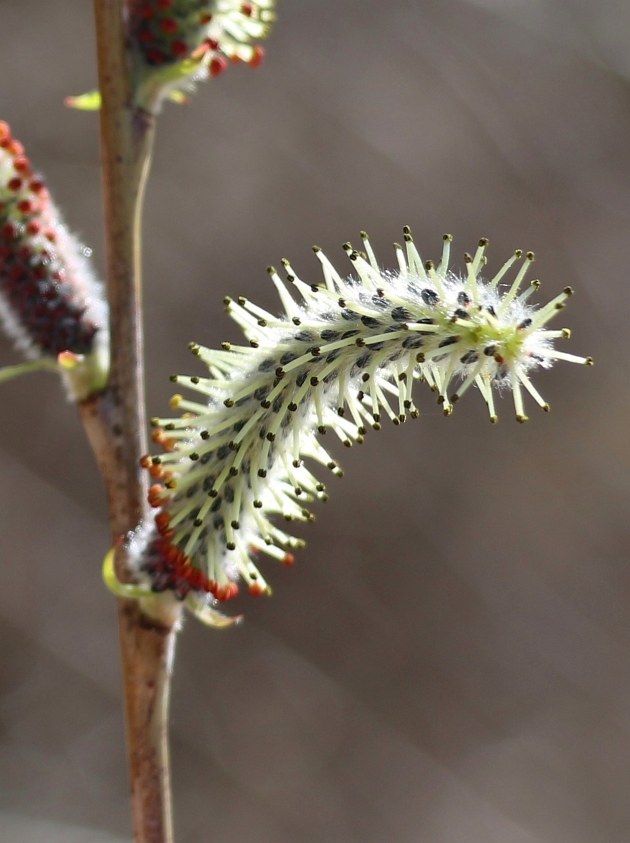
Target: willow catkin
{"type": "Point", "coordinates": [341, 357]}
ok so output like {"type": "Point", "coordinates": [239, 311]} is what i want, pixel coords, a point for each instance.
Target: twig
{"type": "Point", "coordinates": [115, 424]}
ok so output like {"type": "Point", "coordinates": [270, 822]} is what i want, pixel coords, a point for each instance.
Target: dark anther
{"type": "Point", "coordinates": [401, 314]}
{"type": "Point", "coordinates": [370, 322]}
{"type": "Point", "coordinates": [379, 300]}
{"type": "Point", "coordinates": [412, 342]}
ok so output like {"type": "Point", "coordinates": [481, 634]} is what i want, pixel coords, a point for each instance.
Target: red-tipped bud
{"type": "Point", "coordinates": [50, 302]}
{"type": "Point", "coordinates": [178, 41]}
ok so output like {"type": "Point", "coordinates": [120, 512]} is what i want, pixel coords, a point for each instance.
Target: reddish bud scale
{"type": "Point", "coordinates": [43, 300]}
{"type": "Point", "coordinates": [170, 570]}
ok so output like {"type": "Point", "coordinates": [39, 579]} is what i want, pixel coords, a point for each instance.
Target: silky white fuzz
{"type": "Point", "coordinates": [342, 356]}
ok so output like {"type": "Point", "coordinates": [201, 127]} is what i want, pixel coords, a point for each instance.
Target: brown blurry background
{"type": "Point", "coordinates": [449, 660]}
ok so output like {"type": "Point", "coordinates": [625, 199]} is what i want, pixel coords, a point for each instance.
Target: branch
{"type": "Point", "coordinates": [114, 421]}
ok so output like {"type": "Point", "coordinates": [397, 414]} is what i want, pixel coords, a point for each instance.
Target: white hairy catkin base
{"type": "Point", "coordinates": [340, 358]}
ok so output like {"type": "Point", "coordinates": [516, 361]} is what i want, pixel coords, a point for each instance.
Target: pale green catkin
{"type": "Point", "coordinates": [343, 355]}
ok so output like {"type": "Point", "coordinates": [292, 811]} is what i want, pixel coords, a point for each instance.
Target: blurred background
{"type": "Point", "coordinates": [449, 660]}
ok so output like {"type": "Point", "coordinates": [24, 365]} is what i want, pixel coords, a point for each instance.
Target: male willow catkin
{"type": "Point", "coordinates": [51, 305]}
{"type": "Point", "coordinates": [176, 43]}
{"type": "Point", "coordinates": [341, 358]}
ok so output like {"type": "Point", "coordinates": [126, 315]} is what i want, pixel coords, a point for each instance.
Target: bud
{"type": "Point", "coordinates": [342, 358]}
{"type": "Point", "coordinates": [50, 303]}
{"type": "Point", "coordinates": [178, 42]}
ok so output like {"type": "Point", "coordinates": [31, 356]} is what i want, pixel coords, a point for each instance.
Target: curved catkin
{"type": "Point", "coordinates": [343, 356]}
